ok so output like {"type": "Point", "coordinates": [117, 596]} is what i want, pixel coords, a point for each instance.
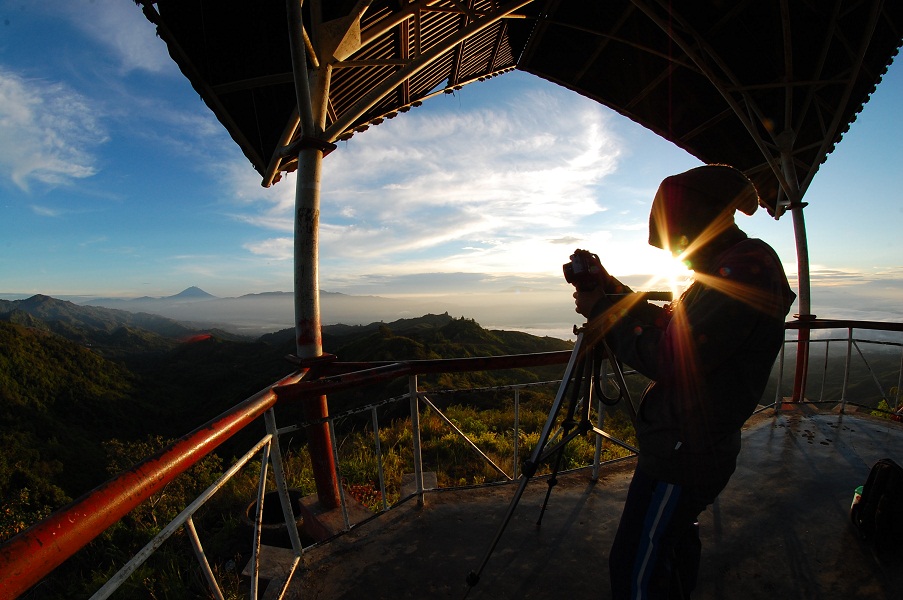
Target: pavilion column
{"type": "Point", "coordinates": [308, 335]}
{"type": "Point", "coordinates": [805, 305]}
{"type": "Point", "coordinates": [785, 142]}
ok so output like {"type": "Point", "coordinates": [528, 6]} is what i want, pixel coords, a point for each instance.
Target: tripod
{"type": "Point", "coordinates": [574, 397]}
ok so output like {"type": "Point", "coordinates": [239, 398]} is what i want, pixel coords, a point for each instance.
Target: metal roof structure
{"type": "Point", "coordinates": [768, 86]}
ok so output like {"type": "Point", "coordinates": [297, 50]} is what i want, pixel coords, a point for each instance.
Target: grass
{"type": "Point", "coordinates": [173, 572]}
{"type": "Point", "coordinates": [453, 460]}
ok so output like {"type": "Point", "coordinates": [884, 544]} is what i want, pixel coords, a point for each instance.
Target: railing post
{"type": "Point", "coordinates": [379, 458]}
{"type": "Point", "coordinates": [778, 392]}
{"type": "Point", "coordinates": [824, 372]}
{"type": "Point", "coordinates": [802, 359]}
{"type": "Point", "coordinates": [899, 386]}
{"type": "Point", "coordinates": [516, 429]}
{"type": "Point", "coordinates": [415, 435]}
{"type": "Point", "coordinates": [846, 370]}
{"type": "Point", "coordinates": [281, 486]}
{"type": "Point", "coordinates": [338, 475]}
{"type": "Point", "coordinates": [258, 518]}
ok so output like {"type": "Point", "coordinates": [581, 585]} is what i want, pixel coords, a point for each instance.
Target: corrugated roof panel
{"type": "Point", "coordinates": [722, 80]}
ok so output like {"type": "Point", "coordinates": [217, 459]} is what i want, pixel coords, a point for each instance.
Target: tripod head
{"type": "Point", "coordinates": [599, 351]}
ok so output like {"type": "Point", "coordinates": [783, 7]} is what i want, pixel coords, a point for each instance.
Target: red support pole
{"type": "Point", "coordinates": [319, 441]}
{"type": "Point", "coordinates": [801, 374]}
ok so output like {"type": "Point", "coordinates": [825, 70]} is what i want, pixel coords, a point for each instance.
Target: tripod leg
{"type": "Point", "coordinates": [529, 469]}
{"type": "Point", "coordinates": [474, 576]}
{"type": "Point", "coordinates": [553, 481]}
{"type": "Point", "coordinates": [618, 373]}
{"type": "Point", "coordinates": [581, 369]}
{"type": "Point", "coordinates": [583, 385]}
{"type": "Point", "coordinates": [572, 367]}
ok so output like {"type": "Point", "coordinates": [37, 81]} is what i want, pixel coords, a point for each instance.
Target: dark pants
{"type": "Point", "coordinates": [656, 549]}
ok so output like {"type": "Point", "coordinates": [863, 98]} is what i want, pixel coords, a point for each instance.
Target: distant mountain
{"type": "Point", "coordinates": [110, 331]}
{"type": "Point", "coordinates": [256, 314]}
{"type": "Point", "coordinates": [192, 293]}
{"type": "Point", "coordinates": [431, 336]}
{"type": "Point", "coordinates": [54, 311]}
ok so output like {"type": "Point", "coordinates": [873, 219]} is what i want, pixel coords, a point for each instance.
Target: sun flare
{"type": "Point", "coordinates": [668, 275]}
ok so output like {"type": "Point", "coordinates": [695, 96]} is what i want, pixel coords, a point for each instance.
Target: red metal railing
{"type": "Point", "coordinates": [29, 556]}
{"type": "Point", "coordinates": [32, 554]}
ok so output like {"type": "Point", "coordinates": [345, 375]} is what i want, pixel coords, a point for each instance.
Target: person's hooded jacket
{"type": "Point", "coordinates": [709, 356]}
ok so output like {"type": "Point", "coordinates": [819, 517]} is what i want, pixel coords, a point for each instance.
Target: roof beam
{"type": "Point", "coordinates": [696, 52]}
{"type": "Point", "coordinates": [419, 63]}
{"type": "Point", "coordinates": [831, 135]}
{"type": "Point", "coordinates": [194, 76]}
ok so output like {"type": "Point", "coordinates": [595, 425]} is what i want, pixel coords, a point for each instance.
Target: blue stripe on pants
{"type": "Point", "coordinates": [660, 509]}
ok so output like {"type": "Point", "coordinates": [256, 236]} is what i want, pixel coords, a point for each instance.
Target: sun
{"type": "Point", "coordinates": [669, 274]}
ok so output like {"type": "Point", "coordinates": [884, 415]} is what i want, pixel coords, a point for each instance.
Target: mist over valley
{"type": "Point", "coordinates": [542, 310]}
{"type": "Point", "coordinates": [539, 312]}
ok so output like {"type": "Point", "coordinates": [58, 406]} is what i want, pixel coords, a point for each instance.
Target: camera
{"type": "Point", "coordinates": [585, 271]}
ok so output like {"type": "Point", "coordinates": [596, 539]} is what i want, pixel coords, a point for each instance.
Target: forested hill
{"type": "Point", "coordinates": [64, 317]}
{"type": "Point", "coordinates": [429, 336]}
{"type": "Point", "coordinates": [73, 377]}
{"type": "Point", "coordinates": [110, 332]}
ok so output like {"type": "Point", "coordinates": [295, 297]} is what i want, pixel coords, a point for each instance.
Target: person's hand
{"type": "Point", "coordinates": [585, 301]}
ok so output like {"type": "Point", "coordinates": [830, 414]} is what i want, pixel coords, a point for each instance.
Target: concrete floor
{"type": "Point", "coordinates": [780, 530]}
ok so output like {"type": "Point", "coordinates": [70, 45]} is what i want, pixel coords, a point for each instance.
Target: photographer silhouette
{"type": "Point", "coordinates": [709, 356]}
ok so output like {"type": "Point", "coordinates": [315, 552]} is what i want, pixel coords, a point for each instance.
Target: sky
{"type": "Point", "coordinates": [117, 181]}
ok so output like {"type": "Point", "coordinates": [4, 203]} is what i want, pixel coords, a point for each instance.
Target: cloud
{"type": "Point", "coordinates": [457, 284]}
{"type": "Point", "coordinates": [47, 132]}
{"type": "Point", "coordinates": [98, 239]}
{"type": "Point", "coordinates": [568, 240]}
{"type": "Point", "coordinates": [45, 211]}
{"type": "Point", "coordinates": [123, 30]}
{"type": "Point", "coordinates": [484, 165]}
{"type": "Point", "coordinates": [825, 277]}
{"type": "Point", "coordinates": [481, 188]}
{"type": "Point", "coordinates": [275, 248]}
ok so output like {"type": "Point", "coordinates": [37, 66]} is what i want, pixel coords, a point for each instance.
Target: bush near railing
{"type": "Point", "coordinates": [171, 571]}
{"type": "Point", "coordinates": [455, 463]}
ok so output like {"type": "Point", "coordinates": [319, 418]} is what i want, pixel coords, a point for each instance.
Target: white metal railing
{"type": "Point", "coordinates": [852, 355]}
{"type": "Point", "coordinates": [269, 451]}
{"type": "Point", "coordinates": [270, 454]}
{"type": "Point", "coordinates": [268, 448]}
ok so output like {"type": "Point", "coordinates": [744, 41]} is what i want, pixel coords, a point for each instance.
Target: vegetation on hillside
{"type": "Point", "coordinates": [58, 400]}
{"type": "Point", "coordinates": [86, 392]}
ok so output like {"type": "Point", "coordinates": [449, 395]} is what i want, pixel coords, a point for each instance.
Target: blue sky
{"type": "Point", "coordinates": [116, 180]}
